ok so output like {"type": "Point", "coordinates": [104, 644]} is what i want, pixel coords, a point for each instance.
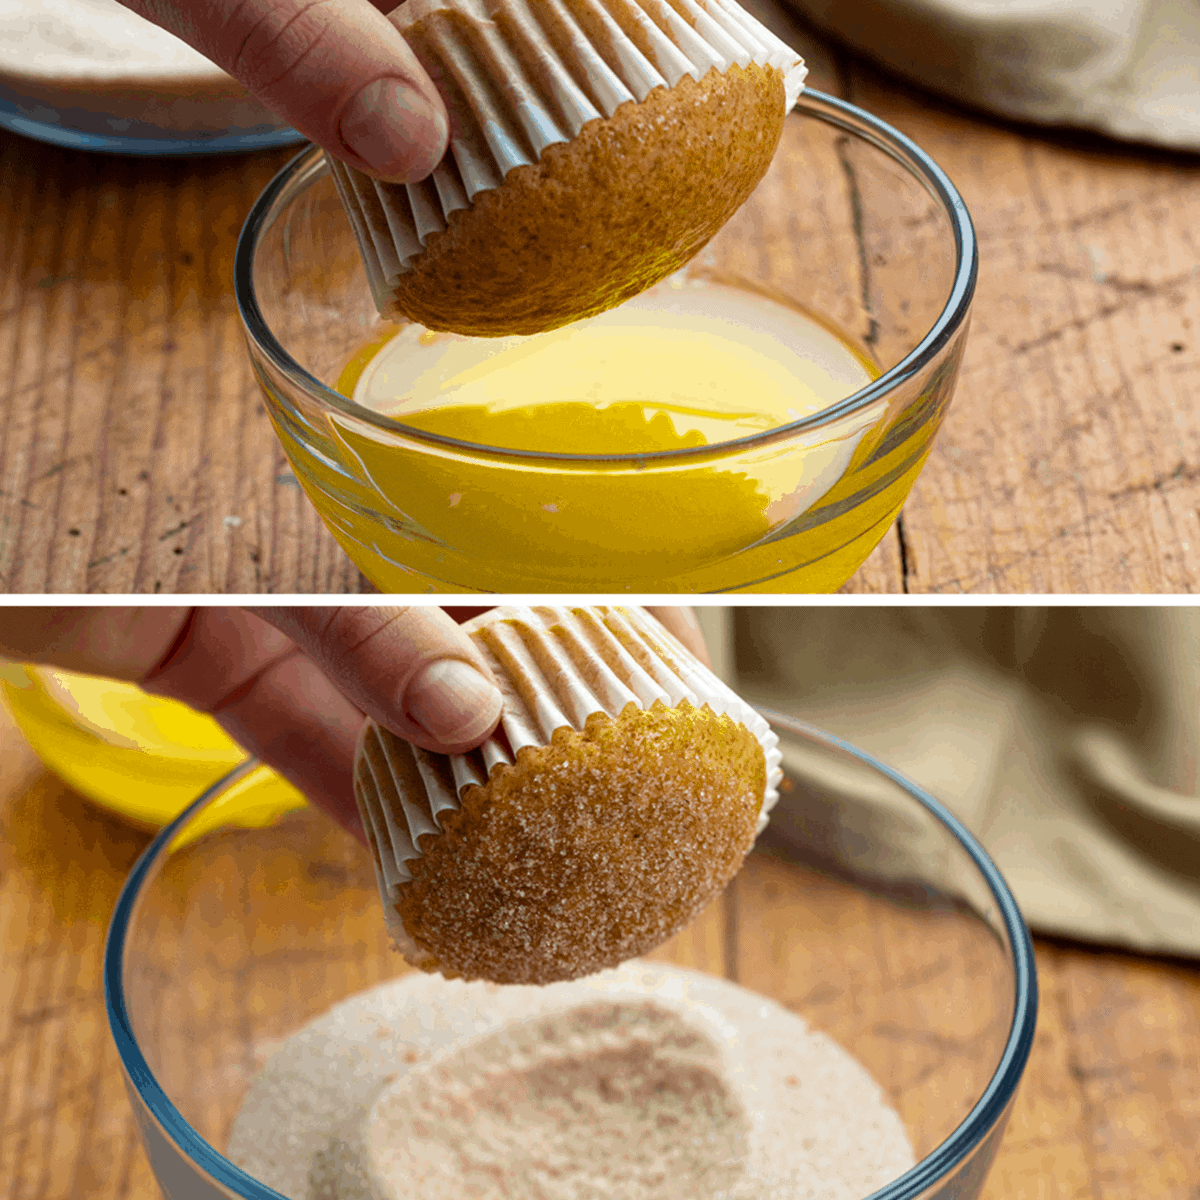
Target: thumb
{"type": "Point", "coordinates": [337, 70]}
{"type": "Point", "coordinates": [412, 669]}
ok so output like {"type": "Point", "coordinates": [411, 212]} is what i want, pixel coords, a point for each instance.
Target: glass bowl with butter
{"type": "Point", "coordinates": [141, 756]}
{"type": "Point", "coordinates": [754, 423]}
{"type": "Point", "coordinates": [850, 1019]}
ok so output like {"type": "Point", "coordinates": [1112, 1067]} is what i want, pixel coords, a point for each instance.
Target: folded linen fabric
{"type": "Point", "coordinates": [1128, 68]}
{"type": "Point", "coordinates": [1066, 739]}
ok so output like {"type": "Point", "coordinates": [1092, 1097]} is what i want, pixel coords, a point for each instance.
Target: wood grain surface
{"type": "Point", "coordinates": [135, 455]}
{"type": "Point", "coordinates": [1107, 1109]}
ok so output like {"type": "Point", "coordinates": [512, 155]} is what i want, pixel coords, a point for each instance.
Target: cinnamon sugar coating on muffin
{"type": "Point", "coordinates": [588, 851]}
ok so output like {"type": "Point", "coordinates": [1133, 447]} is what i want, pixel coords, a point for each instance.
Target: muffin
{"type": "Point", "coordinates": [595, 147]}
{"type": "Point", "coordinates": [619, 795]}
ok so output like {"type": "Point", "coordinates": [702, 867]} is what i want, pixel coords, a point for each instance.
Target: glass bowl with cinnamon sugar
{"type": "Point", "coordinates": [851, 1018]}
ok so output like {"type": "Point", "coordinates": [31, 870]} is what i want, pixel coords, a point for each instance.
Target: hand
{"type": "Point", "coordinates": [292, 684]}
{"type": "Point", "coordinates": [337, 70]}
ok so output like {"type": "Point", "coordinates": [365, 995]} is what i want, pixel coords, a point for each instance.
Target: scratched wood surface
{"type": "Point", "coordinates": [1107, 1108]}
{"type": "Point", "coordinates": [135, 455]}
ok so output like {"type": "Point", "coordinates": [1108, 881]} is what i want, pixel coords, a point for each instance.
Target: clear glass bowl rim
{"type": "Point", "coordinates": [938, 1165]}
{"type": "Point", "coordinates": [830, 109]}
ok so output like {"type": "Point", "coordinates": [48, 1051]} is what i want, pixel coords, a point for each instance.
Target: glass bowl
{"type": "Point", "coordinates": [868, 910]}
{"type": "Point", "coordinates": [853, 225]}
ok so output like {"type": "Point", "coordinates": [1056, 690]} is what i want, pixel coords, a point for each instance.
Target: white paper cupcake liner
{"type": "Point", "coordinates": [517, 79]}
{"type": "Point", "coordinates": [556, 667]}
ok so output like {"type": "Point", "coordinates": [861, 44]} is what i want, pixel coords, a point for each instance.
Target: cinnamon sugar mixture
{"type": "Point", "coordinates": [646, 1081]}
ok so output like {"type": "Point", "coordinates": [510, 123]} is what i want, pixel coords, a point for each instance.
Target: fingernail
{"type": "Point", "coordinates": [452, 701]}
{"type": "Point", "coordinates": [394, 130]}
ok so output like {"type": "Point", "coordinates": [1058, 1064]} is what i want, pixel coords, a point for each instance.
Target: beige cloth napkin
{"type": "Point", "coordinates": [1130, 68]}
{"type": "Point", "coordinates": [1067, 740]}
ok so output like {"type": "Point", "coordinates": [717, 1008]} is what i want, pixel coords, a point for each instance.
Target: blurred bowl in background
{"type": "Point", "coordinates": [92, 75]}
{"type": "Point", "coordinates": [140, 756]}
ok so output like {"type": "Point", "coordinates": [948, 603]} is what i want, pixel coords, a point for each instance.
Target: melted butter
{"type": "Point", "coordinates": [692, 365]}
{"type": "Point", "coordinates": [686, 365]}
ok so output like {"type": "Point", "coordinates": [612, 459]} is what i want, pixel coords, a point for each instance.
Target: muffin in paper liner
{"type": "Point", "coordinates": [619, 795]}
{"type": "Point", "coordinates": [595, 147]}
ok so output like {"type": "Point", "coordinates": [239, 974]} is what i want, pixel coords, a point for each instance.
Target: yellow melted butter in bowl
{"type": "Point", "coordinates": [688, 365]}
{"type": "Point", "coordinates": [691, 365]}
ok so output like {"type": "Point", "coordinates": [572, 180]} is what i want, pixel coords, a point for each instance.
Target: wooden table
{"type": "Point", "coordinates": [135, 455]}
{"type": "Point", "coordinates": [1107, 1109]}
